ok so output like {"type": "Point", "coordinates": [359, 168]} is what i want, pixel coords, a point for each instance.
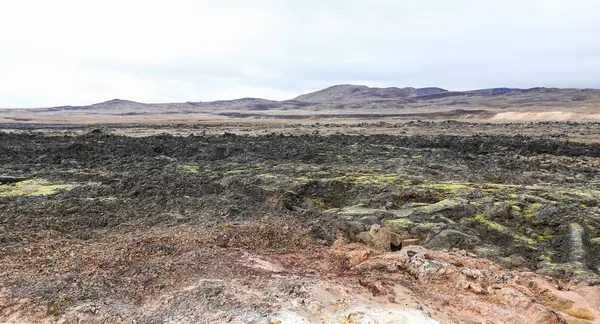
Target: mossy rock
{"type": "Point", "coordinates": [32, 188]}
{"type": "Point", "coordinates": [399, 224]}
{"type": "Point", "coordinates": [564, 270]}
{"type": "Point", "coordinates": [190, 168]}
{"type": "Point", "coordinates": [531, 210]}
{"type": "Point", "coordinates": [446, 204]}
{"type": "Point", "coordinates": [359, 212]}
{"type": "Point", "coordinates": [427, 230]}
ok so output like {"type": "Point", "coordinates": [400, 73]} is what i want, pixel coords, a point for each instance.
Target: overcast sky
{"type": "Point", "coordinates": [72, 52]}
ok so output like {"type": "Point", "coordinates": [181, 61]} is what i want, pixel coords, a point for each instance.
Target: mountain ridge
{"type": "Point", "coordinates": [339, 92]}
{"type": "Point", "coordinates": [345, 91]}
{"type": "Point", "coordinates": [340, 102]}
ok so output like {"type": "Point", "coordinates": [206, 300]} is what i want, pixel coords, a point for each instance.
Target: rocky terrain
{"type": "Point", "coordinates": [340, 103]}
{"type": "Point", "coordinates": [420, 222]}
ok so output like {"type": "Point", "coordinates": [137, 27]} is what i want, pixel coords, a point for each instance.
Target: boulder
{"type": "Point", "coordinates": [448, 239]}
{"type": "Point", "coordinates": [384, 239]}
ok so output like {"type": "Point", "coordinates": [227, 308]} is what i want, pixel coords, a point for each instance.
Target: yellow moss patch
{"type": "Point", "coordinates": [401, 223]}
{"type": "Point", "coordinates": [546, 257]}
{"type": "Point", "coordinates": [238, 171]}
{"type": "Point", "coordinates": [358, 209]}
{"type": "Point", "coordinates": [35, 187]}
{"type": "Point", "coordinates": [530, 211]}
{"type": "Point", "coordinates": [525, 239]}
{"type": "Point", "coordinates": [542, 238]}
{"type": "Point", "coordinates": [360, 178]}
{"type": "Point", "coordinates": [440, 206]}
{"type": "Point", "coordinates": [493, 189]}
{"type": "Point", "coordinates": [190, 168]}
{"type": "Point", "coordinates": [480, 218]}
{"type": "Point", "coordinates": [418, 204]}
{"type": "Point", "coordinates": [447, 186]}
{"type": "Point", "coordinates": [390, 179]}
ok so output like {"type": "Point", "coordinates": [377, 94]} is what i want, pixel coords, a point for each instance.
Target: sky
{"type": "Point", "coordinates": [73, 52]}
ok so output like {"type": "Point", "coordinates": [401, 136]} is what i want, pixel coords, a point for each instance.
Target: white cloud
{"type": "Point", "coordinates": [79, 52]}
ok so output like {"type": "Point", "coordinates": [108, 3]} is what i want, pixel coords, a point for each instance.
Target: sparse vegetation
{"type": "Point", "coordinates": [210, 221]}
{"type": "Point", "coordinates": [32, 188]}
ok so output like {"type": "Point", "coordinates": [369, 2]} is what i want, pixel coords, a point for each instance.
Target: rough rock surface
{"type": "Point", "coordinates": [459, 228]}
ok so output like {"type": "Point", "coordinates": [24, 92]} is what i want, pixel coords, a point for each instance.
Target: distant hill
{"type": "Point", "coordinates": [348, 92]}
{"type": "Point", "coordinates": [357, 102]}
{"type": "Point", "coordinates": [116, 102]}
{"type": "Point", "coordinates": [494, 90]}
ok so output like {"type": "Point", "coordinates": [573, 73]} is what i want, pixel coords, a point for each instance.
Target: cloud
{"type": "Point", "coordinates": [80, 52]}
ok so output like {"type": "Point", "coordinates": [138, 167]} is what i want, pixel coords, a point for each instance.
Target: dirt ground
{"type": "Point", "coordinates": [416, 222]}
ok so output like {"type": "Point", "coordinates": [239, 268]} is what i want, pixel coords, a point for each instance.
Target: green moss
{"type": "Point", "coordinates": [566, 195]}
{"type": "Point", "coordinates": [358, 210]}
{"type": "Point", "coordinates": [338, 178]}
{"type": "Point", "coordinates": [494, 226]}
{"type": "Point", "coordinates": [531, 209]}
{"type": "Point", "coordinates": [365, 179]}
{"type": "Point", "coordinates": [581, 193]}
{"type": "Point", "coordinates": [495, 189]}
{"type": "Point", "coordinates": [35, 187]}
{"type": "Point", "coordinates": [418, 204]}
{"type": "Point", "coordinates": [480, 218]}
{"type": "Point", "coordinates": [190, 168]}
{"type": "Point", "coordinates": [440, 206]}
{"type": "Point", "coordinates": [447, 186]}
{"type": "Point", "coordinates": [319, 203]}
{"type": "Point", "coordinates": [429, 225]}
{"type": "Point", "coordinates": [417, 156]}
{"type": "Point", "coordinates": [400, 223]}
{"type": "Point", "coordinates": [542, 238]}
{"type": "Point", "coordinates": [525, 239]}
{"type": "Point", "coordinates": [244, 170]}
{"type": "Point", "coordinates": [357, 177]}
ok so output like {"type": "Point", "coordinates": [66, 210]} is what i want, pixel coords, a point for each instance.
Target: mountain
{"type": "Point", "coordinates": [357, 102]}
{"type": "Point", "coordinates": [117, 102]}
{"type": "Point", "coordinates": [348, 92]}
